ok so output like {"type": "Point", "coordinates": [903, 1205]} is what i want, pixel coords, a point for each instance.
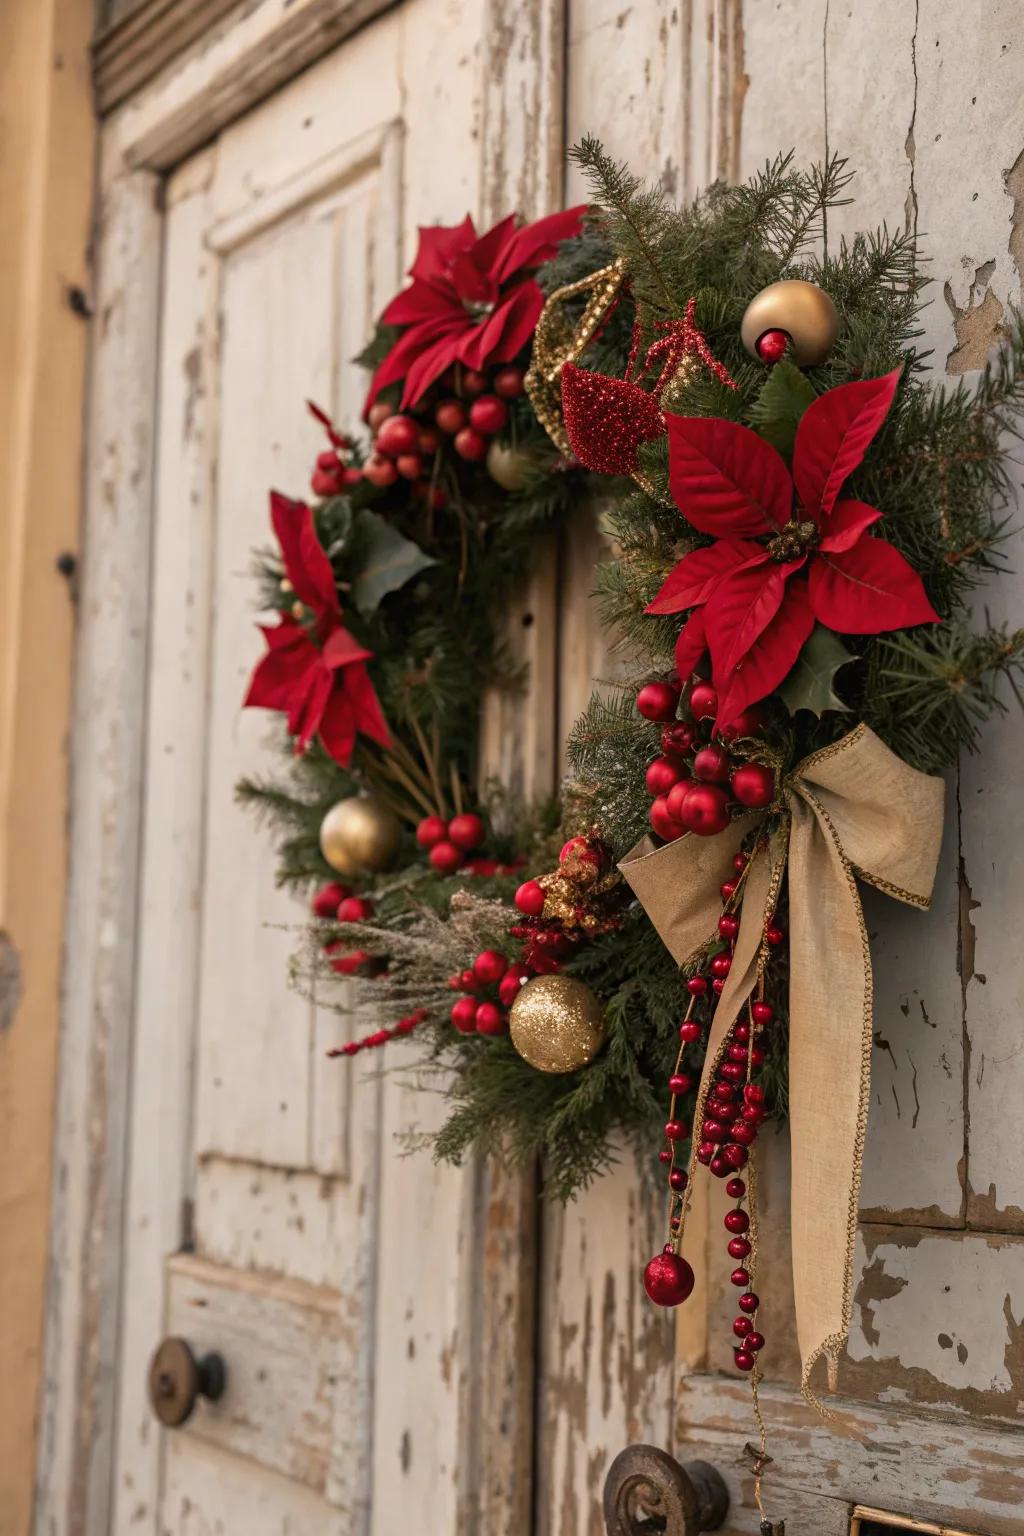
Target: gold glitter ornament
{"type": "Point", "coordinates": [557, 1024]}
{"type": "Point", "coordinates": [359, 835]}
{"type": "Point", "coordinates": [508, 466]}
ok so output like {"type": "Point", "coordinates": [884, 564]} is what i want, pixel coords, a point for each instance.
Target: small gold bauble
{"type": "Point", "coordinates": [557, 1024]}
{"type": "Point", "coordinates": [803, 310]}
{"type": "Point", "coordinates": [359, 835]}
{"type": "Point", "coordinates": [509, 466]}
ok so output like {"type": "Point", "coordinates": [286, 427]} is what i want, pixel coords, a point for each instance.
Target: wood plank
{"type": "Point", "coordinates": [212, 1493]}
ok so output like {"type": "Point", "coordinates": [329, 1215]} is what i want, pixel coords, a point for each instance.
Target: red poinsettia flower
{"type": "Point", "coordinates": [788, 550]}
{"type": "Point", "coordinates": [470, 300]}
{"type": "Point", "coordinates": [315, 674]}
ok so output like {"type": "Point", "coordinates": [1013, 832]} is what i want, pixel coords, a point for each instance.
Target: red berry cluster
{"type": "Point", "coordinates": [449, 842]}
{"type": "Point", "coordinates": [548, 940]}
{"type": "Point", "coordinates": [382, 1036]}
{"type": "Point", "coordinates": [339, 903]}
{"type": "Point", "coordinates": [491, 987]}
{"type": "Point", "coordinates": [687, 781]}
{"type": "Point", "coordinates": [473, 411]}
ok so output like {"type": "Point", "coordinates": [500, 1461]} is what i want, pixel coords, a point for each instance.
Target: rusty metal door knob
{"type": "Point", "coordinates": [177, 1380]}
{"type": "Point", "coordinates": [647, 1492]}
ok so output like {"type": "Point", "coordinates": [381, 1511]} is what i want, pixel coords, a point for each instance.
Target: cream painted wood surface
{"type": "Point", "coordinates": [459, 1352]}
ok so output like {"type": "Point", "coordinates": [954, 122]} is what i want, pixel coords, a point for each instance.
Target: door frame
{"type": "Point", "coordinates": [235, 66]}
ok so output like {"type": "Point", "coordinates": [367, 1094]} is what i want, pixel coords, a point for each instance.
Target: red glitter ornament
{"type": "Point", "coordinates": [668, 1279]}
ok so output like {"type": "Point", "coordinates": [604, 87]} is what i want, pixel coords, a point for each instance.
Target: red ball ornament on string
{"type": "Point", "coordinates": [738, 1247]}
{"type": "Point", "coordinates": [721, 965]}
{"type": "Point", "coordinates": [753, 1093]}
{"type": "Point", "coordinates": [397, 435]}
{"type": "Point", "coordinates": [529, 898]}
{"type": "Point", "coordinates": [703, 701]}
{"type": "Point", "coordinates": [446, 858]}
{"type": "Point", "coordinates": [728, 925]}
{"type": "Point", "coordinates": [705, 1152]}
{"type": "Point", "coordinates": [668, 1279]}
{"type": "Point", "coordinates": [743, 1133]}
{"type": "Point", "coordinates": [508, 383]}
{"type": "Point", "coordinates": [450, 417]}
{"type": "Point", "coordinates": [741, 1327]}
{"type": "Point", "coordinates": [714, 1131]}
{"type": "Point", "coordinates": [679, 1083]}
{"type": "Point", "coordinates": [690, 1032]}
{"type": "Point", "coordinates": [763, 1013]}
{"type": "Point", "coordinates": [467, 831]}
{"type": "Point", "coordinates": [744, 1360]}
{"type": "Point", "coordinates": [676, 1130]}
{"type": "Point", "coordinates": [661, 776]}
{"type": "Point", "coordinates": [491, 1020]}
{"type": "Point", "coordinates": [774, 935]}
{"type": "Point", "coordinates": [490, 966]}
{"type": "Point", "coordinates": [711, 765]}
{"type": "Point", "coordinates": [719, 1166]}
{"type": "Point", "coordinates": [657, 701]}
{"type": "Point", "coordinates": [771, 346]}
{"type": "Point", "coordinates": [735, 1155]}
{"type": "Point", "coordinates": [750, 1302]}
{"type": "Point", "coordinates": [736, 1222]}
{"type": "Point", "coordinates": [705, 810]}
{"type": "Point", "coordinates": [464, 1015]}
{"type": "Point", "coordinates": [739, 1278]}
{"type": "Point", "coordinates": [697, 986]}
{"type": "Point", "coordinates": [677, 1179]}
{"type": "Point", "coordinates": [488, 414]}
{"type": "Point", "coordinates": [753, 784]}
{"type": "Point", "coordinates": [732, 1072]}
{"type": "Point", "coordinates": [431, 830]}
{"type": "Point", "coordinates": [755, 1342]}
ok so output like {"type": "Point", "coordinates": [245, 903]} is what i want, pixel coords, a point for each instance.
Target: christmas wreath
{"type": "Point", "coordinates": [799, 519]}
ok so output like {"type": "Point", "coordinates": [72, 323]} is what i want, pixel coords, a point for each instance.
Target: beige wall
{"type": "Point", "coordinates": [46, 128]}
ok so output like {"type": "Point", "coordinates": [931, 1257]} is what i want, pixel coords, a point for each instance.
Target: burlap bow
{"type": "Point", "coordinates": [852, 809]}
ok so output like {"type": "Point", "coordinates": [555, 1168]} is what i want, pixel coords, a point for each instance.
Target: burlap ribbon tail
{"type": "Point", "coordinates": [851, 810]}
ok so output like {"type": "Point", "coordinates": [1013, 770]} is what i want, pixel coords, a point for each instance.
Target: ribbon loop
{"type": "Point", "coordinates": [853, 808]}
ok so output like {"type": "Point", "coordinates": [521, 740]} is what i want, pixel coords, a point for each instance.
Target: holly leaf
{"type": "Point", "coordinates": [383, 560]}
{"type": "Point", "coordinates": [776, 412]}
{"type": "Point", "coordinates": [810, 685]}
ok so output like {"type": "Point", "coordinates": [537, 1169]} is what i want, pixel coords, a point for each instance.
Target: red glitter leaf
{"type": "Point", "coordinates": [607, 419]}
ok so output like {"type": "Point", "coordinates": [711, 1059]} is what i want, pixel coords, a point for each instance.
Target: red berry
{"type": "Point", "coordinates": [679, 1083]}
{"type": "Point", "coordinates": [661, 775]}
{"type": "Point", "coordinates": [355, 909]}
{"type": "Point", "coordinates": [727, 889]}
{"type": "Point", "coordinates": [409, 466]}
{"type": "Point", "coordinates": [354, 961]}
{"type": "Point", "coordinates": [380, 472]}
{"type": "Point", "coordinates": [657, 701]}
{"type": "Point", "coordinates": [739, 1278]}
{"type": "Point", "coordinates": [664, 1156]}
{"type": "Point", "coordinates": [736, 1222]}
{"type": "Point", "coordinates": [719, 1166]}
{"type": "Point", "coordinates": [750, 1302]}
{"type": "Point", "coordinates": [378, 414]}
{"type": "Point", "coordinates": [467, 831]}
{"type": "Point", "coordinates": [676, 1130]}
{"type": "Point", "coordinates": [490, 1020]}
{"type": "Point", "coordinates": [677, 739]}
{"type": "Point", "coordinates": [430, 831]}
{"type": "Point", "coordinates": [508, 383]}
{"type": "Point", "coordinates": [663, 823]}
{"type": "Point", "coordinates": [721, 965]}
{"type": "Point", "coordinates": [450, 417]}
{"type": "Point", "coordinates": [753, 1093]}
{"type": "Point", "coordinates": [716, 1131]}
{"type": "Point", "coordinates": [328, 898]}
{"type": "Point", "coordinates": [741, 1327]}
{"type": "Point", "coordinates": [467, 981]}
{"type": "Point", "coordinates": [675, 797]}
{"type": "Point", "coordinates": [703, 701]}
{"type": "Point", "coordinates": [728, 925]}
{"type": "Point", "coordinates": [690, 1032]}
{"type": "Point", "coordinates": [488, 414]}
{"type": "Point", "coordinates": [510, 984]}
{"type": "Point", "coordinates": [398, 435]}
{"type": "Point", "coordinates": [771, 346]}
{"type": "Point", "coordinates": [464, 1015]}
{"type": "Point", "coordinates": [740, 862]}
{"type": "Point", "coordinates": [743, 1133]}
{"type": "Point", "coordinates": [734, 1155]}
{"type": "Point", "coordinates": [530, 898]}
{"type": "Point", "coordinates": [583, 849]}
{"type": "Point", "coordinates": [668, 1279]}
{"type": "Point", "coordinates": [705, 1152]}
{"type": "Point", "coordinates": [738, 1246]}
{"type": "Point", "coordinates": [472, 382]}
{"type": "Point", "coordinates": [705, 810]}
{"type": "Point", "coordinates": [753, 784]}
{"type": "Point", "coordinates": [763, 1013]}
{"type": "Point", "coordinates": [697, 986]}
{"type": "Point", "coordinates": [775, 935]}
{"type": "Point", "coordinates": [747, 723]}
{"type": "Point", "coordinates": [677, 1179]}
{"type": "Point", "coordinates": [741, 1032]}
{"type": "Point", "coordinates": [471, 445]}
{"type": "Point", "coordinates": [490, 965]}
{"type": "Point", "coordinates": [352, 474]}
{"type": "Point", "coordinates": [429, 441]}
{"type": "Point", "coordinates": [446, 858]}
{"type": "Point", "coordinates": [755, 1342]}
{"type": "Point", "coordinates": [732, 1072]}
{"type": "Point", "coordinates": [711, 764]}
{"type": "Point", "coordinates": [744, 1360]}
{"type": "Point", "coordinates": [325, 482]}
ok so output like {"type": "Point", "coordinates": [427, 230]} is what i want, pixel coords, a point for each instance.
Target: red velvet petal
{"type": "Point", "coordinates": [868, 589]}
{"type": "Point", "coordinates": [606, 420]}
{"type": "Point", "coordinates": [724, 478]}
{"type": "Point", "coordinates": [407, 348]}
{"type": "Point", "coordinates": [771, 657]}
{"type": "Point", "coordinates": [505, 332]}
{"type": "Point", "coordinates": [691, 645]}
{"type": "Point", "coordinates": [833, 436]}
{"type": "Point", "coordinates": [742, 607]}
{"type": "Point", "coordinates": [342, 649]}
{"type": "Point", "coordinates": [491, 247]}
{"type": "Point", "coordinates": [338, 727]}
{"type": "Point", "coordinates": [472, 285]}
{"type": "Point", "coordinates": [696, 576]}
{"type": "Point", "coordinates": [368, 715]}
{"type": "Point", "coordinates": [419, 302]}
{"type": "Point", "coordinates": [430, 364]}
{"type": "Point", "coordinates": [438, 244]}
{"type": "Point", "coordinates": [283, 671]}
{"type": "Point", "coordinates": [305, 560]}
{"type": "Point", "coordinates": [537, 242]}
{"type": "Point", "coordinates": [308, 707]}
{"type": "Point", "coordinates": [845, 524]}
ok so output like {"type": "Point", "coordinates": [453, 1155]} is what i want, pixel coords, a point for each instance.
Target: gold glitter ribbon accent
{"type": "Point", "coordinates": [853, 810]}
{"type": "Point", "coordinates": [558, 341]}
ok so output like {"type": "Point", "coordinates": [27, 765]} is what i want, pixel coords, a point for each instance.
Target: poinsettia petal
{"type": "Point", "coordinates": [430, 364]}
{"type": "Point", "coordinates": [868, 589]}
{"type": "Point", "coordinates": [491, 246]}
{"type": "Point", "coordinates": [847, 521]}
{"type": "Point", "coordinates": [538, 241]}
{"type": "Point", "coordinates": [724, 478]}
{"type": "Point", "coordinates": [283, 670]}
{"type": "Point", "coordinates": [338, 727]}
{"type": "Point", "coordinates": [407, 348]}
{"type": "Point", "coordinates": [308, 706]}
{"type": "Point", "coordinates": [420, 301]}
{"type": "Point", "coordinates": [472, 285]}
{"type": "Point", "coordinates": [772, 656]}
{"type": "Point", "coordinates": [342, 649]}
{"type": "Point", "coordinates": [693, 580]}
{"type": "Point", "coordinates": [369, 717]}
{"type": "Point", "coordinates": [606, 420]}
{"type": "Point", "coordinates": [506, 331]}
{"type": "Point", "coordinates": [740, 609]}
{"type": "Point", "coordinates": [833, 436]}
{"type": "Point", "coordinates": [305, 560]}
{"type": "Point", "coordinates": [691, 644]}
{"type": "Point", "coordinates": [437, 246]}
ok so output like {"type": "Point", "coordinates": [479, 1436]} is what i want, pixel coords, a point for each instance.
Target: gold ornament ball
{"type": "Point", "coordinates": [508, 466]}
{"type": "Point", "coordinates": [803, 310]}
{"type": "Point", "coordinates": [557, 1024]}
{"type": "Point", "coordinates": [359, 835]}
